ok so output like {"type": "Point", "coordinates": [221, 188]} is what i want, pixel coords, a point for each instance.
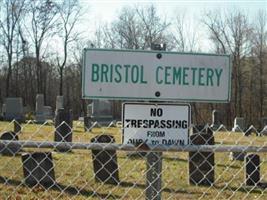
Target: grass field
{"type": "Point", "coordinates": [75, 176]}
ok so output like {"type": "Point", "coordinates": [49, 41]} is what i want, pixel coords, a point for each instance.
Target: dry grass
{"type": "Point", "coordinates": [75, 176]}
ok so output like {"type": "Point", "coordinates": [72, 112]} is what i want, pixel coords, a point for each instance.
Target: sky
{"type": "Point", "coordinates": [98, 12]}
{"type": "Point", "coordinates": [106, 10]}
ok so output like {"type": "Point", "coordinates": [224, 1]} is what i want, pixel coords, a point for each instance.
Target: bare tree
{"type": "Point", "coordinates": [124, 32]}
{"type": "Point", "coordinates": [259, 51]}
{"type": "Point", "coordinates": [70, 14]}
{"type": "Point", "coordinates": [154, 27]}
{"type": "Point", "coordinates": [231, 34]}
{"type": "Point", "coordinates": [12, 12]}
{"type": "Point", "coordinates": [136, 28]}
{"type": "Point", "coordinates": [185, 35]}
{"type": "Point", "coordinates": [42, 16]}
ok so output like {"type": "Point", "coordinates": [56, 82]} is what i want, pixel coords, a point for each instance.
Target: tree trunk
{"type": "Point", "coordinates": [9, 72]}
{"type": "Point", "coordinates": [61, 81]}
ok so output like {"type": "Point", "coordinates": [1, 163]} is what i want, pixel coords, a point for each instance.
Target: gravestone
{"type": "Point", "coordinates": [63, 125]}
{"type": "Point", "coordinates": [38, 169]}
{"type": "Point", "coordinates": [196, 129]}
{"type": "Point", "coordinates": [17, 127]}
{"type": "Point", "coordinates": [89, 110]}
{"type": "Point", "coordinates": [217, 119]}
{"type": "Point", "coordinates": [43, 113]}
{"type": "Point", "coordinates": [9, 150]}
{"type": "Point", "coordinates": [39, 105]}
{"type": "Point", "coordinates": [239, 125]}
{"type": "Point", "coordinates": [105, 162]}
{"type": "Point", "coordinates": [252, 170]}
{"type": "Point", "coordinates": [59, 102]}
{"type": "Point", "coordinates": [102, 112]}
{"type": "Point", "coordinates": [201, 164]}
{"type": "Point", "coordinates": [39, 109]}
{"type": "Point", "coordinates": [14, 109]}
{"type": "Point", "coordinates": [48, 112]}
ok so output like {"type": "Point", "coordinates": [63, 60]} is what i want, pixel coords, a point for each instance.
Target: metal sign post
{"type": "Point", "coordinates": [153, 175]}
{"type": "Point", "coordinates": [154, 159]}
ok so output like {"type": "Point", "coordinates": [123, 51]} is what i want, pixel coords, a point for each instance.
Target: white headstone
{"type": "Point", "coordinates": [59, 102]}
{"type": "Point", "coordinates": [239, 124]}
{"type": "Point", "coordinates": [217, 119]}
{"type": "Point", "coordinates": [90, 109]}
{"type": "Point", "coordinates": [48, 112]}
{"type": "Point", "coordinates": [3, 108]}
{"type": "Point", "coordinates": [39, 106]}
{"type": "Point", "coordinates": [39, 109]}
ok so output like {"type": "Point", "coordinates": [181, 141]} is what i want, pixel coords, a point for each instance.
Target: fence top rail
{"type": "Point", "coordinates": [130, 147]}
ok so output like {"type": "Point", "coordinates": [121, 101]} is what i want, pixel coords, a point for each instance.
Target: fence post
{"type": "Point", "coordinates": [153, 175]}
{"type": "Point", "coordinates": [154, 159]}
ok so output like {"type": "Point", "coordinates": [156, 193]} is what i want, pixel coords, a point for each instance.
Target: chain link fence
{"type": "Point", "coordinates": [41, 161]}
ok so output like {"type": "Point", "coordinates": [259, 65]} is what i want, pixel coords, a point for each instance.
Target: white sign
{"type": "Point", "coordinates": [166, 124]}
{"type": "Point", "coordinates": [155, 75]}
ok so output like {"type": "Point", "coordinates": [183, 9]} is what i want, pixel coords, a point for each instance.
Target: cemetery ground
{"type": "Point", "coordinates": [75, 176]}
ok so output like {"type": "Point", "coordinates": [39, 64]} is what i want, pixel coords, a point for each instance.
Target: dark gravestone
{"type": "Point", "coordinates": [14, 109]}
{"type": "Point", "coordinates": [102, 112]}
{"type": "Point", "coordinates": [201, 164]}
{"type": "Point", "coordinates": [9, 150]}
{"type": "Point", "coordinates": [252, 174]}
{"type": "Point", "coordinates": [196, 129]}
{"type": "Point", "coordinates": [38, 169]}
{"type": "Point", "coordinates": [63, 125]}
{"type": "Point", "coordinates": [105, 162]}
{"type": "Point", "coordinates": [17, 127]}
